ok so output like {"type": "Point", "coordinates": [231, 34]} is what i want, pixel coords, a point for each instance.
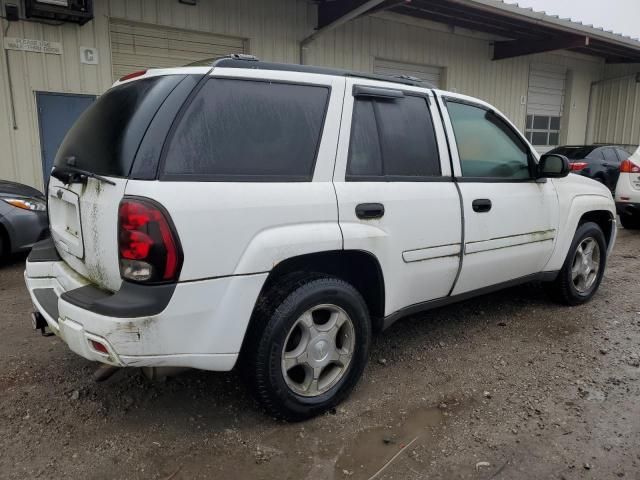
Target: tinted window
{"type": "Point", "coordinates": [365, 156]}
{"type": "Point", "coordinates": [106, 137]}
{"type": "Point", "coordinates": [610, 155]}
{"type": "Point", "coordinates": [573, 153]}
{"type": "Point", "coordinates": [487, 146]}
{"type": "Point", "coordinates": [393, 138]}
{"type": "Point", "coordinates": [622, 154]}
{"type": "Point", "coordinates": [249, 131]}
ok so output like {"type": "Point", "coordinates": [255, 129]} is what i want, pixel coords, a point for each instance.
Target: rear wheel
{"type": "Point", "coordinates": [583, 268]}
{"type": "Point", "coordinates": [630, 222]}
{"type": "Point", "coordinates": [308, 353]}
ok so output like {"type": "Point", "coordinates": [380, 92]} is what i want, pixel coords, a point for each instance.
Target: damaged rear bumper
{"type": "Point", "coordinates": [199, 324]}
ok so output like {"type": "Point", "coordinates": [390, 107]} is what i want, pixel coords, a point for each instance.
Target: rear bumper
{"type": "Point", "coordinates": [201, 326]}
{"type": "Point", "coordinates": [628, 208]}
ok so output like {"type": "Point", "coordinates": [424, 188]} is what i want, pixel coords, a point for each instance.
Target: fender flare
{"type": "Point", "coordinates": [274, 245]}
{"type": "Point", "coordinates": [568, 224]}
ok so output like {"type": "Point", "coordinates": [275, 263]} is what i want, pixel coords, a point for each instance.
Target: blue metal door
{"type": "Point", "coordinates": [57, 112]}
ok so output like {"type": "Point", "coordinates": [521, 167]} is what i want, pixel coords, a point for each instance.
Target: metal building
{"type": "Point", "coordinates": [560, 82]}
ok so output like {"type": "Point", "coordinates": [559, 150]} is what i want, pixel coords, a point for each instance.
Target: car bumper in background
{"type": "Point", "coordinates": [24, 228]}
{"type": "Point", "coordinates": [199, 324]}
{"type": "Point", "coordinates": [628, 208]}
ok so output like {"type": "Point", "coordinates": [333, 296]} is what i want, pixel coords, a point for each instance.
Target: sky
{"type": "Point", "coordinates": [621, 16]}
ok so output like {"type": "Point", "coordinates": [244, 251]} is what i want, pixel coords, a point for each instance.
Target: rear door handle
{"type": "Point", "coordinates": [368, 211]}
{"type": "Point", "coordinates": [481, 205]}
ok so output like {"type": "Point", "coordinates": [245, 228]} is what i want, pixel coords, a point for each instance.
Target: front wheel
{"type": "Point", "coordinates": [311, 349]}
{"type": "Point", "coordinates": [583, 268]}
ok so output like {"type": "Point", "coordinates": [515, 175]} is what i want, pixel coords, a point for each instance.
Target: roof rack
{"type": "Point", "coordinates": [249, 61]}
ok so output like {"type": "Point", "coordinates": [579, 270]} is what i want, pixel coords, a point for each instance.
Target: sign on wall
{"type": "Point", "coordinates": [89, 55]}
{"type": "Point", "coordinates": [32, 45]}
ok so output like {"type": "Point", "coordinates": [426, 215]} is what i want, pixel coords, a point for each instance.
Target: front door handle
{"type": "Point", "coordinates": [368, 211]}
{"type": "Point", "coordinates": [481, 205]}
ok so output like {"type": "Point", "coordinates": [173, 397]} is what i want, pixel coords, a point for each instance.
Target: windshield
{"type": "Point", "coordinates": [574, 153]}
{"type": "Point", "coordinates": [105, 138]}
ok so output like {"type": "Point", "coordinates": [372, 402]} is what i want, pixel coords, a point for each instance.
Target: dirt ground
{"type": "Point", "coordinates": [506, 386]}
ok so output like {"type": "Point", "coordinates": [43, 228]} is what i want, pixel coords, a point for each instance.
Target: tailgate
{"type": "Point", "coordinates": [83, 220]}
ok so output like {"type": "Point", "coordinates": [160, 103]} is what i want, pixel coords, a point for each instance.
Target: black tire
{"type": "Point", "coordinates": [563, 288]}
{"type": "Point", "coordinates": [277, 313]}
{"type": "Point", "coordinates": [630, 222]}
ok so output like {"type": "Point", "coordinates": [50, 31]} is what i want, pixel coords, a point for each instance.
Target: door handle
{"type": "Point", "coordinates": [481, 205]}
{"type": "Point", "coordinates": [368, 211]}
{"type": "Point", "coordinates": [605, 164]}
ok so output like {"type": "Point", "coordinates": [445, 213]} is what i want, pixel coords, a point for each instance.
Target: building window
{"type": "Point", "coordinates": [543, 130]}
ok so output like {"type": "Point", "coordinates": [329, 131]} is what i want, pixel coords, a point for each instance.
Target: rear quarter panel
{"type": "Point", "coordinates": [233, 228]}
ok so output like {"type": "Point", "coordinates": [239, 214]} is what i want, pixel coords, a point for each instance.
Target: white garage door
{"type": "Point", "coordinates": [433, 75]}
{"type": "Point", "coordinates": [545, 101]}
{"type": "Point", "coordinates": [138, 46]}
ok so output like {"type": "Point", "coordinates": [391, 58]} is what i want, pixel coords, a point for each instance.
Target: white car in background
{"type": "Point", "coordinates": [628, 192]}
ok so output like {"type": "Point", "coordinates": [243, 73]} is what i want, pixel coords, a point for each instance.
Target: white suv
{"type": "Point", "coordinates": [628, 192]}
{"type": "Point", "coordinates": [274, 216]}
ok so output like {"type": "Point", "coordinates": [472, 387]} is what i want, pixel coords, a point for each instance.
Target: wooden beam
{"type": "Point", "coordinates": [517, 48]}
{"type": "Point", "coordinates": [335, 12]}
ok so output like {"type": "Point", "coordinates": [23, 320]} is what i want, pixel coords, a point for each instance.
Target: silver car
{"type": "Point", "coordinates": [23, 217]}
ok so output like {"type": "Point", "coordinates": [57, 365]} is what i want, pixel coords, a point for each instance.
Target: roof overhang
{"type": "Point", "coordinates": [521, 31]}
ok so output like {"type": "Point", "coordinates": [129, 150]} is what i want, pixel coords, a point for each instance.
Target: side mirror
{"type": "Point", "coordinates": [553, 165]}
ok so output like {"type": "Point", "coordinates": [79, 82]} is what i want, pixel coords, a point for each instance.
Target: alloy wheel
{"type": "Point", "coordinates": [586, 265]}
{"type": "Point", "coordinates": [318, 350]}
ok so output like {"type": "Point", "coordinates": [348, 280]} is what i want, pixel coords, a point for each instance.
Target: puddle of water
{"type": "Point", "coordinates": [371, 449]}
{"type": "Point", "coordinates": [596, 396]}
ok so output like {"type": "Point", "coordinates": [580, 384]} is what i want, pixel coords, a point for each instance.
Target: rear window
{"type": "Point", "coordinates": [573, 153]}
{"type": "Point", "coordinates": [392, 139]}
{"type": "Point", "coordinates": [106, 137]}
{"type": "Point", "coordinates": [245, 130]}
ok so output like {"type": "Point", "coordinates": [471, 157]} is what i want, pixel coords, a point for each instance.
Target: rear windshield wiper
{"type": "Point", "coordinates": [71, 174]}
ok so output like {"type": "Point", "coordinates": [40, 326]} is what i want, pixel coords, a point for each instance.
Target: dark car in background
{"type": "Point", "coordinates": [600, 162]}
{"type": "Point", "coordinates": [23, 217]}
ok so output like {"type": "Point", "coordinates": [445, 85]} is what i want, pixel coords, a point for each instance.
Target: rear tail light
{"type": "Point", "coordinates": [148, 244]}
{"type": "Point", "coordinates": [577, 166]}
{"type": "Point", "coordinates": [627, 166]}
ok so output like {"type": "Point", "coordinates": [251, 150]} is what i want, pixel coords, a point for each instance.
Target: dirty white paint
{"type": "Point", "coordinates": [527, 231]}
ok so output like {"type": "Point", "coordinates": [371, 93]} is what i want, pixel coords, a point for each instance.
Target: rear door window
{"type": "Point", "coordinates": [392, 139]}
{"type": "Point", "coordinates": [622, 154]}
{"type": "Point", "coordinates": [245, 130]}
{"type": "Point", "coordinates": [610, 155]}
{"type": "Point", "coordinates": [105, 138]}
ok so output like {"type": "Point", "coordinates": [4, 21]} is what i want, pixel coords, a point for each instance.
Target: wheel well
{"type": "Point", "coordinates": [5, 244]}
{"type": "Point", "coordinates": [361, 269]}
{"type": "Point", "coordinates": [602, 218]}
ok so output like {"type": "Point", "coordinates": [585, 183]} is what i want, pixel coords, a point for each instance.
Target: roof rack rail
{"type": "Point", "coordinates": [249, 61]}
{"type": "Point", "coordinates": [244, 56]}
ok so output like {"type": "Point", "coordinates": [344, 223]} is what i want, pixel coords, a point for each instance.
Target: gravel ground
{"type": "Point", "coordinates": [506, 386]}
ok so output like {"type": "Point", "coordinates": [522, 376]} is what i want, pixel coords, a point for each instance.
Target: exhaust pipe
{"type": "Point", "coordinates": [104, 372]}
{"type": "Point", "coordinates": [39, 323]}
